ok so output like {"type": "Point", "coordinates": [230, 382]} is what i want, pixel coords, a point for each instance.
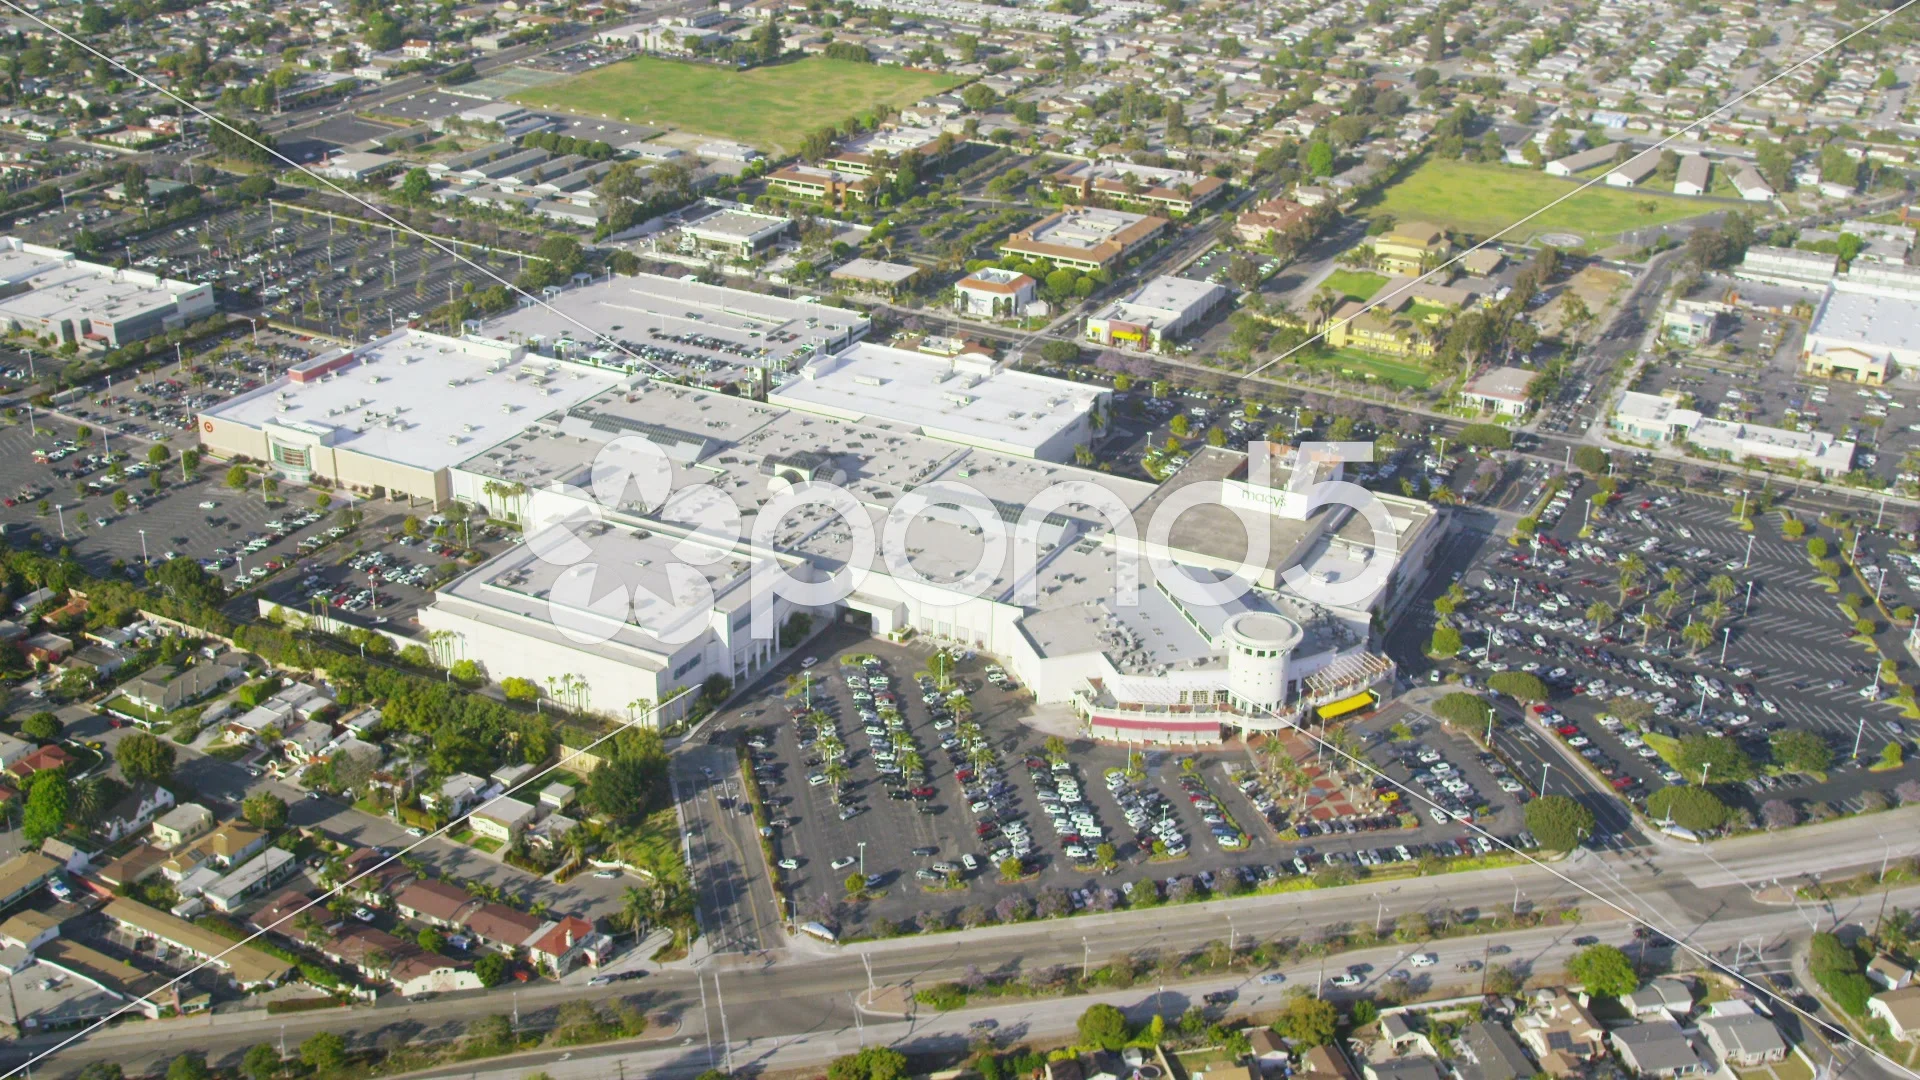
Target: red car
{"type": "Point", "coordinates": [1568, 730]}
{"type": "Point", "coordinates": [921, 792]}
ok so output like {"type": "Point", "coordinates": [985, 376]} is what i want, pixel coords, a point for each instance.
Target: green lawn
{"type": "Point", "coordinates": [768, 107]}
{"type": "Point", "coordinates": [1383, 369]}
{"type": "Point", "coordinates": [1482, 199]}
{"type": "Point", "coordinates": [1359, 284]}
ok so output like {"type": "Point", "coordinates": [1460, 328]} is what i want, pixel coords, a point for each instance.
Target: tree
{"type": "Point", "coordinates": [634, 771]}
{"type": "Point", "coordinates": [1520, 686]}
{"type": "Point", "coordinates": [102, 1070]}
{"type": "Point", "coordinates": [42, 726]}
{"type": "Point", "coordinates": [1103, 1026]}
{"type": "Point", "coordinates": [1704, 758]}
{"type": "Point", "coordinates": [323, 1051]}
{"type": "Point", "coordinates": [47, 805]}
{"type": "Point", "coordinates": [1559, 822]}
{"type": "Point", "coordinates": [145, 757]}
{"type": "Point", "coordinates": [265, 811]}
{"type": "Point", "coordinates": [237, 477]}
{"type": "Point", "coordinates": [1692, 808]}
{"type": "Point", "coordinates": [515, 688]}
{"type": "Point", "coordinates": [417, 188]}
{"type": "Point", "coordinates": [1800, 750]}
{"type": "Point", "coordinates": [1604, 970]}
{"type": "Point", "coordinates": [1591, 459]}
{"type": "Point", "coordinates": [1307, 1021]}
{"type": "Point", "coordinates": [491, 969]}
{"type": "Point", "coordinates": [873, 1063]}
{"type": "Point", "coordinates": [1463, 709]}
{"type": "Point", "coordinates": [1445, 643]}
{"type": "Point", "coordinates": [431, 940]}
{"type": "Point", "coordinates": [1778, 814]}
{"type": "Point", "coordinates": [261, 1062]}
{"type": "Point", "coordinates": [191, 1065]}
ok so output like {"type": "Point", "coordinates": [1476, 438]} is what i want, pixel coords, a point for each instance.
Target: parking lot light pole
{"type": "Point", "coordinates": [863, 858]}
{"type": "Point", "coordinates": [143, 548]}
{"type": "Point", "coordinates": [1748, 557]}
{"type": "Point", "coordinates": [1749, 604]}
{"type": "Point", "coordinates": [60, 512]}
{"type": "Point", "coordinates": [1726, 633]}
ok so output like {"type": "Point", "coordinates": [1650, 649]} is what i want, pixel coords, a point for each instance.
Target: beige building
{"type": "Point", "coordinates": [181, 825]}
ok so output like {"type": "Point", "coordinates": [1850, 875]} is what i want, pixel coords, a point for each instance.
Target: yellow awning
{"type": "Point", "coordinates": [1365, 699]}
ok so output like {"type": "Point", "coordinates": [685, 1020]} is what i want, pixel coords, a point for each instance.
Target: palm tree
{"type": "Point", "coordinates": [1669, 601]}
{"type": "Point", "coordinates": [1697, 634]}
{"type": "Point", "coordinates": [1323, 304]}
{"type": "Point", "coordinates": [837, 772]}
{"type": "Point", "coordinates": [1722, 587]}
{"type": "Point", "coordinates": [1673, 576]}
{"type": "Point", "coordinates": [1648, 620]}
{"type": "Point", "coordinates": [1632, 569]}
{"type": "Point", "coordinates": [1600, 613]}
{"type": "Point", "coordinates": [911, 763]}
{"type": "Point", "coordinates": [1715, 612]}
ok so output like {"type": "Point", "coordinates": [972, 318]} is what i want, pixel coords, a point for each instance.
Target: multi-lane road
{"type": "Point", "coordinates": [795, 1003]}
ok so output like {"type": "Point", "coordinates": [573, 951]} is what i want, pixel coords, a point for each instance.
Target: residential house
{"type": "Point", "coordinates": [12, 750]}
{"type": "Point", "coordinates": [47, 757]}
{"type": "Point", "coordinates": [45, 648]}
{"type": "Point", "coordinates": [1398, 1032]}
{"type": "Point", "coordinates": [1488, 1051]}
{"type": "Point", "coordinates": [138, 807]}
{"type": "Point", "coordinates": [457, 793]}
{"type": "Point", "coordinates": [1265, 219]}
{"type": "Point", "coordinates": [436, 903]}
{"type": "Point", "coordinates": [223, 849]}
{"type": "Point", "coordinates": [306, 741]}
{"type": "Point", "coordinates": [1269, 1051]}
{"type": "Point", "coordinates": [557, 796]}
{"type": "Point", "coordinates": [1661, 998]}
{"type": "Point", "coordinates": [501, 928]}
{"type": "Point", "coordinates": [250, 879]}
{"type": "Point", "coordinates": [1900, 1009]}
{"type": "Point", "coordinates": [1563, 1036]}
{"type": "Point", "coordinates": [280, 913]}
{"type": "Point", "coordinates": [370, 878]}
{"type": "Point", "coordinates": [423, 972]}
{"type": "Point", "coordinates": [96, 659]}
{"type": "Point", "coordinates": [183, 824]}
{"type": "Point", "coordinates": [24, 873]}
{"type": "Point", "coordinates": [1741, 1036]}
{"type": "Point", "coordinates": [1889, 973]}
{"type": "Point", "coordinates": [246, 966]}
{"type": "Point", "coordinates": [571, 941]}
{"type": "Point", "coordinates": [504, 819]}
{"type": "Point", "coordinates": [1413, 248]}
{"type": "Point", "coordinates": [135, 866]}
{"type": "Point", "coordinates": [1656, 1048]}
{"type": "Point", "coordinates": [29, 929]}
{"type": "Point", "coordinates": [1406, 1068]}
{"type": "Point", "coordinates": [1325, 1063]}
{"type": "Point", "coordinates": [71, 858]}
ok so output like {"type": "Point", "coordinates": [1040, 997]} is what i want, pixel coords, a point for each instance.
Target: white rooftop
{"type": "Point", "coordinates": [968, 396]}
{"type": "Point", "coordinates": [421, 399]}
{"type": "Point", "coordinates": [1856, 318]}
{"type": "Point", "coordinates": [1163, 301]}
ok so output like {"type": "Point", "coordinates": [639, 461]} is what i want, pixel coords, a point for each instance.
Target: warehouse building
{"type": "Point", "coordinates": [1155, 313]}
{"type": "Point", "coordinates": [1787, 266]}
{"type": "Point", "coordinates": [1861, 338]}
{"type": "Point", "coordinates": [730, 228]}
{"type": "Point", "coordinates": [391, 417]}
{"type": "Point", "coordinates": [48, 292]}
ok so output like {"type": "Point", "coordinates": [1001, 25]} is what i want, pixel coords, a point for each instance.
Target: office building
{"type": "Point", "coordinates": [1085, 239]}
{"type": "Point", "coordinates": [49, 293]}
{"type": "Point", "coordinates": [1154, 313]}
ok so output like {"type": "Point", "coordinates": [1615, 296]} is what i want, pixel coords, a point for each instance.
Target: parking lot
{"type": "Point", "coordinates": [930, 846]}
{"type": "Point", "coordinates": [317, 268]}
{"type": "Point", "coordinates": [1625, 668]}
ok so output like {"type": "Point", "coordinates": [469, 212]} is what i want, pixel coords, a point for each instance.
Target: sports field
{"type": "Point", "coordinates": [1482, 199]}
{"type": "Point", "coordinates": [768, 107]}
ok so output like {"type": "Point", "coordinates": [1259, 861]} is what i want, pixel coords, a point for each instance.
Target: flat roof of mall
{"type": "Point", "coordinates": [1868, 320]}
{"type": "Point", "coordinates": [603, 598]}
{"type": "Point", "coordinates": [969, 396]}
{"type": "Point", "coordinates": [420, 399]}
{"type": "Point", "coordinates": [60, 286]}
{"type": "Point", "coordinates": [668, 320]}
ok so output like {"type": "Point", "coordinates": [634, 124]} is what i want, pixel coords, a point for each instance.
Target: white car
{"type": "Point", "coordinates": [843, 862]}
{"type": "Point", "coordinates": [1272, 978]}
{"type": "Point", "coordinates": [1423, 960]}
{"type": "Point", "coordinates": [789, 864]}
{"type": "Point", "coordinates": [208, 504]}
{"type": "Point", "coordinates": [1345, 978]}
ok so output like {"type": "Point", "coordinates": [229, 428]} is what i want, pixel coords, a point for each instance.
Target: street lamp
{"type": "Point", "coordinates": [144, 561]}
{"type": "Point", "coordinates": [863, 858]}
{"type": "Point", "coordinates": [1726, 633]}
